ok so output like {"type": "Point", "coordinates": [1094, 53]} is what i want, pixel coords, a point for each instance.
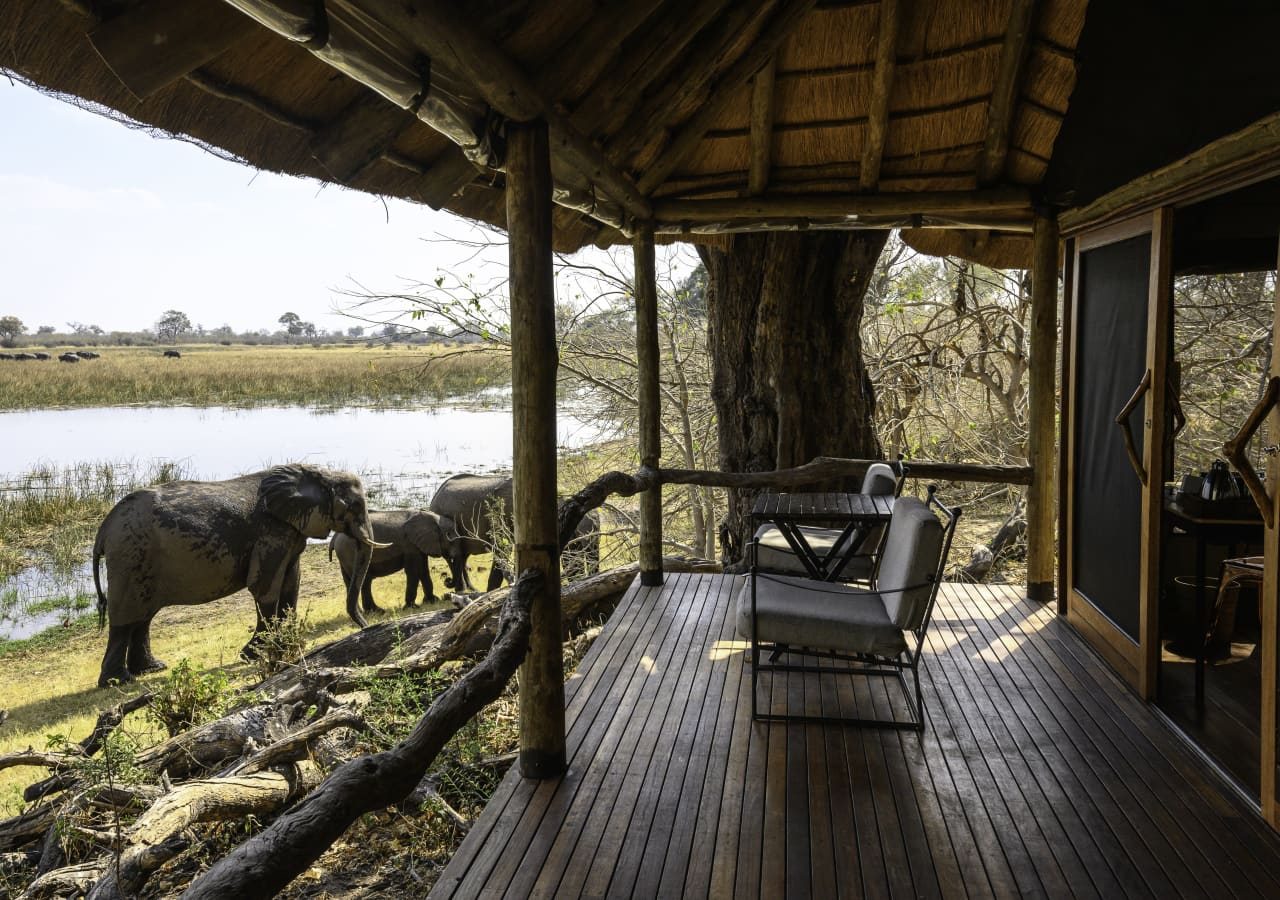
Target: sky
{"type": "Point", "coordinates": [101, 224]}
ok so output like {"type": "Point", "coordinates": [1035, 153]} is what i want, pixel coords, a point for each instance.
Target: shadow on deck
{"type": "Point", "coordinates": [1039, 774]}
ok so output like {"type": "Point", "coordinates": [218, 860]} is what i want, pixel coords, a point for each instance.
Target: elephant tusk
{"type": "Point", "coordinates": [376, 545]}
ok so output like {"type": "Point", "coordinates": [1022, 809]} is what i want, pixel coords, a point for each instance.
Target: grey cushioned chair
{"type": "Point", "coordinates": [776, 555]}
{"type": "Point", "coordinates": [876, 632]}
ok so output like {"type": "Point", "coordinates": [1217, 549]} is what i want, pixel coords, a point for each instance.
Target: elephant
{"type": "Point", "coordinates": [86, 354]}
{"type": "Point", "coordinates": [23, 356]}
{"type": "Point", "coordinates": [191, 542]}
{"type": "Point", "coordinates": [6, 356]}
{"type": "Point", "coordinates": [173, 354]}
{"type": "Point", "coordinates": [412, 536]}
{"type": "Point", "coordinates": [471, 501]}
{"type": "Point", "coordinates": [41, 356]}
{"type": "Point", "coordinates": [69, 358]}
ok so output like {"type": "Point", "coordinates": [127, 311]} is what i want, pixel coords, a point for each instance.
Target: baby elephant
{"type": "Point", "coordinates": [413, 537]}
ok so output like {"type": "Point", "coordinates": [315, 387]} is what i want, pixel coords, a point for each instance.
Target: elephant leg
{"type": "Point", "coordinates": [140, 660]}
{"type": "Point", "coordinates": [496, 574]}
{"type": "Point", "coordinates": [412, 575]}
{"type": "Point", "coordinates": [113, 661]}
{"type": "Point", "coordinates": [428, 589]}
{"type": "Point", "coordinates": [289, 591]}
{"type": "Point", "coordinates": [366, 595]}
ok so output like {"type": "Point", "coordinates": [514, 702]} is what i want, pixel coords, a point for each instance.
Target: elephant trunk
{"type": "Point", "coordinates": [364, 554]}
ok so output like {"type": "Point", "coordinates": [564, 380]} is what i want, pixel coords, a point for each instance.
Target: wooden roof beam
{"type": "Point", "coordinates": [638, 66]}
{"type": "Point", "coordinates": [779, 27]}
{"type": "Point", "coordinates": [157, 42]}
{"type": "Point", "coordinates": [434, 27]}
{"type": "Point", "coordinates": [762, 95]}
{"type": "Point", "coordinates": [881, 88]}
{"type": "Point", "coordinates": [698, 65]}
{"type": "Point", "coordinates": [1004, 95]}
{"type": "Point", "coordinates": [1008, 203]}
{"type": "Point", "coordinates": [361, 133]}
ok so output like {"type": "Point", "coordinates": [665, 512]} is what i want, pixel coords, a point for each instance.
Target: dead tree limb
{"type": "Point", "coordinates": [158, 835]}
{"type": "Point", "coordinates": [265, 863]}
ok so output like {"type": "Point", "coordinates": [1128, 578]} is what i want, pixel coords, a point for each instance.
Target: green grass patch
{"type": "Point", "coordinates": [209, 375]}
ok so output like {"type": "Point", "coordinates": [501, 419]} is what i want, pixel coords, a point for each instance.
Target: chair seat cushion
{"type": "Point", "coordinates": [806, 613]}
{"type": "Point", "coordinates": [775, 554]}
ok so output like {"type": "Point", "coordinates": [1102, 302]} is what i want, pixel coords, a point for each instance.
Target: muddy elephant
{"type": "Point", "coordinates": [413, 537]}
{"type": "Point", "coordinates": [190, 542]}
{"type": "Point", "coordinates": [473, 500]}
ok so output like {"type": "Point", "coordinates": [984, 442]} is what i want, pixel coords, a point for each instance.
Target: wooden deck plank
{"type": "Point", "coordinates": [636, 788]}
{"type": "Point", "coordinates": [976, 690]}
{"type": "Point", "coordinates": [1172, 782]}
{"type": "Point", "coordinates": [1039, 773]}
{"type": "Point", "coordinates": [649, 827]}
{"type": "Point", "coordinates": [1099, 697]}
{"type": "Point", "coordinates": [589, 796]}
{"type": "Point", "coordinates": [1042, 738]}
{"type": "Point", "coordinates": [493, 829]}
{"type": "Point", "coordinates": [1163, 868]}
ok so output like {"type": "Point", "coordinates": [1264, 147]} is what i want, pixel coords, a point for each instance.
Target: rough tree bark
{"type": "Point", "coordinates": [788, 379]}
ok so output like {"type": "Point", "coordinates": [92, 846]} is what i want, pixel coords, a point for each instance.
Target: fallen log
{"type": "Point", "coordinates": [157, 836]}
{"type": "Point", "coordinates": [71, 881]}
{"type": "Point", "coordinates": [266, 862]}
{"type": "Point", "coordinates": [984, 557]}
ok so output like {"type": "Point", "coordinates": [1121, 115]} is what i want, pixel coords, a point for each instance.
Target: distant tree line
{"type": "Point", "coordinates": [175, 326]}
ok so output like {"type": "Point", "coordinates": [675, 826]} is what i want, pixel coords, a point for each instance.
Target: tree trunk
{"type": "Point", "coordinates": [788, 379]}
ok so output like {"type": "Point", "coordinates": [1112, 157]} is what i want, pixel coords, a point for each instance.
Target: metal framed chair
{"type": "Point", "coordinates": [776, 555]}
{"type": "Point", "coordinates": [876, 632]}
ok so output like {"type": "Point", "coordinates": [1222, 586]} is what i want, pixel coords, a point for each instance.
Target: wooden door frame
{"type": "Point", "coordinates": [1270, 607]}
{"type": "Point", "coordinates": [1137, 661]}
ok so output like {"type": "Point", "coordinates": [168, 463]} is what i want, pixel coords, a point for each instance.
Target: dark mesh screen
{"type": "Point", "coordinates": [1111, 336]}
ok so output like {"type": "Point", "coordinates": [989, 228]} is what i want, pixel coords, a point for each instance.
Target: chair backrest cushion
{"type": "Point", "coordinates": [880, 480]}
{"type": "Point", "coordinates": [912, 550]}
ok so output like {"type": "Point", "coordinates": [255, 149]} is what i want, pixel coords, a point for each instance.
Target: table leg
{"type": "Point", "coordinates": [795, 538]}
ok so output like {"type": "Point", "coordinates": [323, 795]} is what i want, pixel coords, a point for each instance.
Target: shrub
{"type": "Point", "coordinates": [189, 696]}
{"type": "Point", "coordinates": [282, 643]}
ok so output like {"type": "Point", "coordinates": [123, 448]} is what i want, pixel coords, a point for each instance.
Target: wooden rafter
{"type": "Point", "coordinates": [157, 42]}
{"type": "Point", "coordinates": [1004, 95]}
{"type": "Point", "coordinates": [784, 21]}
{"type": "Point", "coordinates": [361, 133]}
{"type": "Point", "coordinates": [881, 88]}
{"type": "Point", "coordinates": [592, 48]}
{"type": "Point", "coordinates": [626, 79]}
{"type": "Point", "coordinates": [697, 65]}
{"type": "Point", "coordinates": [1015, 201]}
{"type": "Point", "coordinates": [435, 28]}
{"type": "Point", "coordinates": [762, 95]}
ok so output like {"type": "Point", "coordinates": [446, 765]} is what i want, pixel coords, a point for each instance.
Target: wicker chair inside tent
{"type": "Point", "coordinates": [877, 632]}
{"type": "Point", "coordinates": [776, 555]}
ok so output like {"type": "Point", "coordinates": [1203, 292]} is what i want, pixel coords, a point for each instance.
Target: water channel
{"type": "Point", "coordinates": [401, 454]}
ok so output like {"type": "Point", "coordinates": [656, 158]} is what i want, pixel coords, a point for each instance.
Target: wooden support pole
{"type": "Point", "coordinates": [647, 360]}
{"type": "Point", "coordinates": [1040, 436]}
{"type": "Point", "coordinates": [533, 413]}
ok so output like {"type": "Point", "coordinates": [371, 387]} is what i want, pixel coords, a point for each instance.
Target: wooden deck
{"type": "Point", "coordinates": [1039, 774]}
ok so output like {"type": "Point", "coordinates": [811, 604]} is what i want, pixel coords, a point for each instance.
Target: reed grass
{"type": "Point", "coordinates": [211, 375]}
{"type": "Point", "coordinates": [50, 514]}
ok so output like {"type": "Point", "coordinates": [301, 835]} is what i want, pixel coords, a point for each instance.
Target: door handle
{"type": "Point", "coordinates": [1126, 431]}
{"type": "Point", "coordinates": [1234, 450]}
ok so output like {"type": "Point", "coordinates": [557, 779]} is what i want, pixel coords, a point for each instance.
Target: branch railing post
{"type": "Point", "coordinates": [533, 407]}
{"type": "Point", "coordinates": [1040, 433]}
{"type": "Point", "coordinates": [647, 359]}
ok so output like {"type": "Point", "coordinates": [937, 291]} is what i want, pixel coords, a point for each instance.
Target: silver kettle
{"type": "Point", "coordinates": [1220, 483]}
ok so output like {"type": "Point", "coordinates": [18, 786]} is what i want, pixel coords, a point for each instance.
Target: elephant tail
{"type": "Point", "coordinates": [97, 580]}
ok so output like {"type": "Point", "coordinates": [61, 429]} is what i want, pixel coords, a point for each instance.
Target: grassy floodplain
{"type": "Point", "coordinates": [213, 375]}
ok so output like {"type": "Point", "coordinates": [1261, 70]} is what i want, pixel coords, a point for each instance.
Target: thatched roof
{"type": "Point", "coordinates": [706, 115]}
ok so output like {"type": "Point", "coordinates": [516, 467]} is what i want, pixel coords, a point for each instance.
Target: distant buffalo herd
{"type": "Point", "coordinates": [65, 357]}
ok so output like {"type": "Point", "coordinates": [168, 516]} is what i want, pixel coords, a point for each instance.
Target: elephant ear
{"type": "Point", "coordinates": [299, 496]}
{"type": "Point", "coordinates": [429, 532]}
